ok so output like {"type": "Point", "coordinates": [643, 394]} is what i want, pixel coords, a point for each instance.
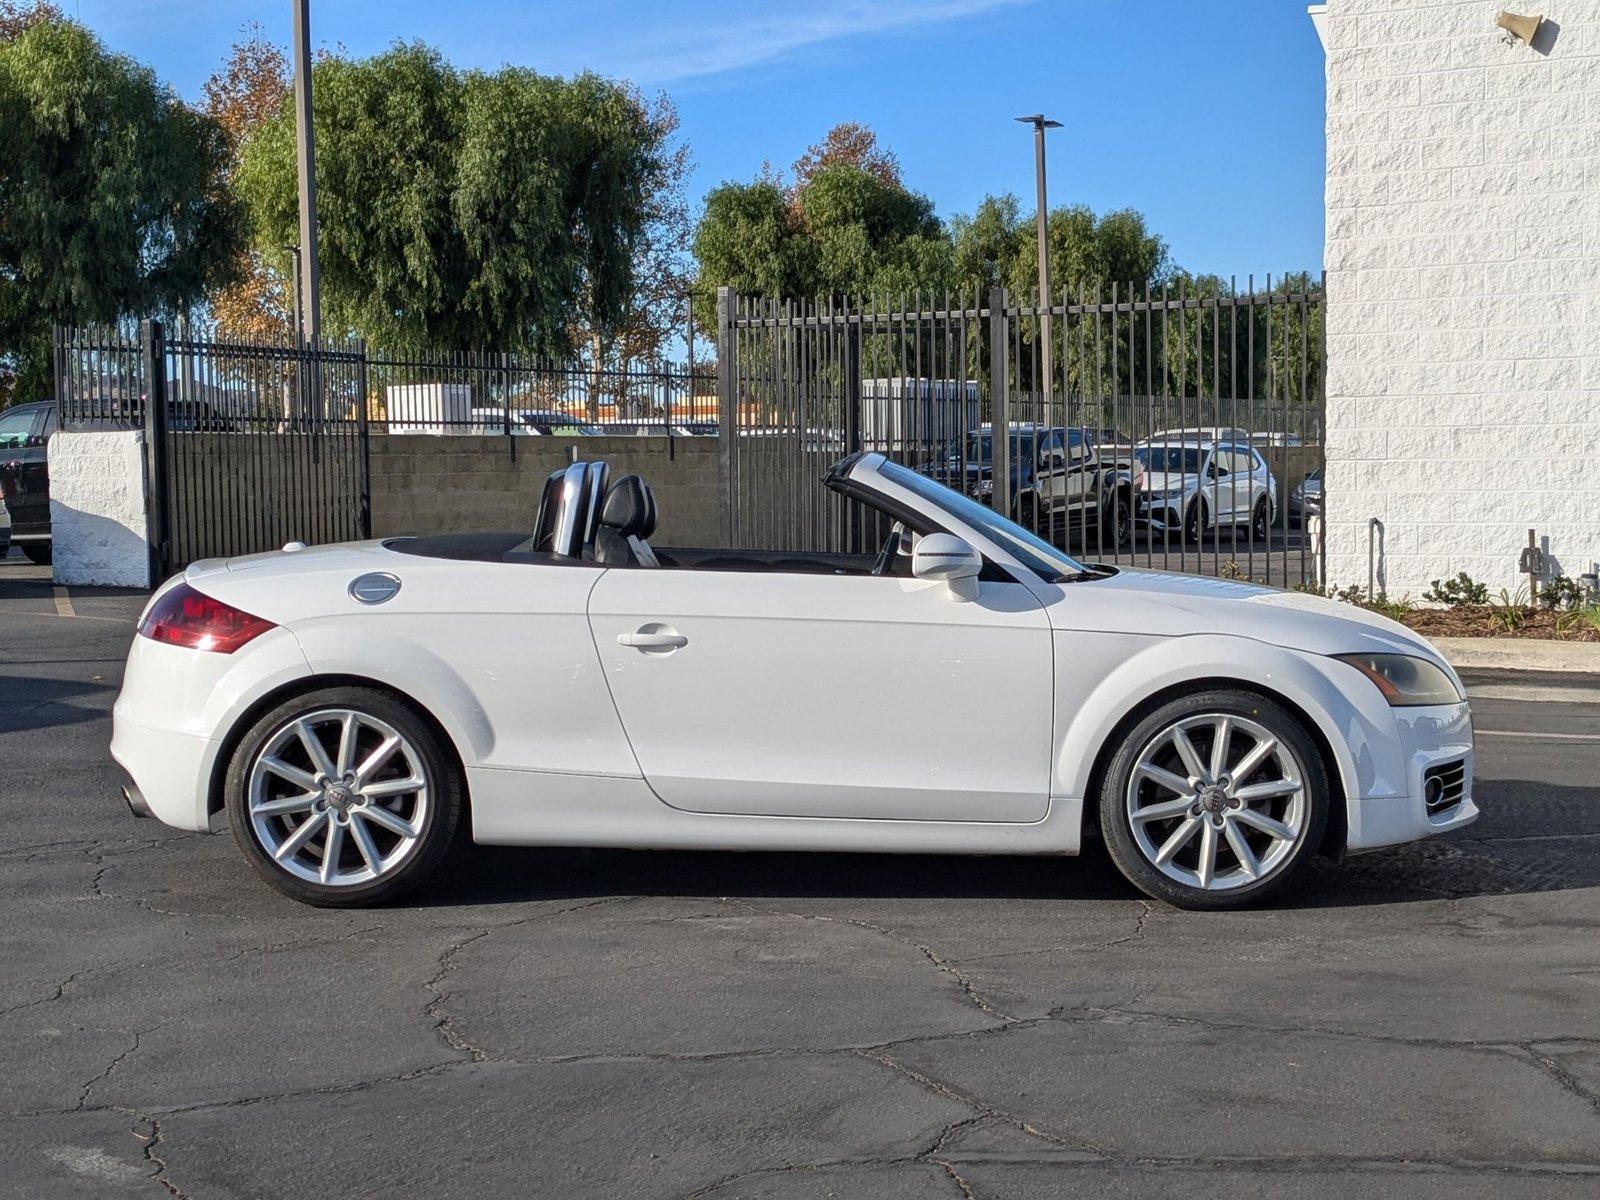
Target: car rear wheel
{"type": "Point", "coordinates": [1215, 800]}
{"type": "Point", "coordinates": [37, 552]}
{"type": "Point", "coordinates": [343, 797]}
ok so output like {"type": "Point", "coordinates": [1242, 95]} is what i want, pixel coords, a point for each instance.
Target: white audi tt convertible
{"type": "Point", "coordinates": [351, 710]}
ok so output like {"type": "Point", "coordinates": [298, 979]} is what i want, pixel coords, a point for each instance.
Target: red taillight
{"type": "Point", "coordinates": [185, 617]}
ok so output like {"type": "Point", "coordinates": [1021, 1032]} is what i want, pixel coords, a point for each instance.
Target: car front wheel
{"type": "Point", "coordinates": [343, 797]}
{"type": "Point", "coordinates": [1215, 800]}
{"type": "Point", "coordinates": [1261, 520]}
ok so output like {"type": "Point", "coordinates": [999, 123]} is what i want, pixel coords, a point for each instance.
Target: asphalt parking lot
{"type": "Point", "coordinates": [1424, 1021]}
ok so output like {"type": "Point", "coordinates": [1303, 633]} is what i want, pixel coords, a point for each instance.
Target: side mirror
{"type": "Point", "coordinates": [945, 557]}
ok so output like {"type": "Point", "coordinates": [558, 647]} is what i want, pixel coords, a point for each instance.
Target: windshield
{"type": "Point", "coordinates": [1038, 555]}
{"type": "Point", "coordinates": [1183, 460]}
{"type": "Point", "coordinates": [980, 446]}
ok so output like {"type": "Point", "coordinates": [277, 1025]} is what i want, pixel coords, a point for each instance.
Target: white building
{"type": "Point", "coordinates": [1463, 318]}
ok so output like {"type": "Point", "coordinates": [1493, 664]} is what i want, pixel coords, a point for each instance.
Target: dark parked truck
{"type": "Point", "coordinates": [25, 430]}
{"type": "Point", "coordinates": [1066, 482]}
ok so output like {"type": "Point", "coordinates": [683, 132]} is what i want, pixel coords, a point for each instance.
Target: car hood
{"type": "Point", "coordinates": [1166, 481]}
{"type": "Point", "coordinates": [1154, 603]}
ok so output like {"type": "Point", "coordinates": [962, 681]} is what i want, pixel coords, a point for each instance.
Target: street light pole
{"type": "Point", "coordinates": [1040, 123]}
{"type": "Point", "coordinates": [310, 289]}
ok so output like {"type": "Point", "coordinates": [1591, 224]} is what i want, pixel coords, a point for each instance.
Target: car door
{"type": "Point", "coordinates": [1052, 471]}
{"type": "Point", "coordinates": [23, 468]}
{"type": "Point", "coordinates": [818, 695]}
{"type": "Point", "coordinates": [1224, 485]}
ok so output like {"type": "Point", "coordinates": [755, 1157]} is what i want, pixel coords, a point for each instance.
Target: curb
{"type": "Point", "coordinates": [1520, 654]}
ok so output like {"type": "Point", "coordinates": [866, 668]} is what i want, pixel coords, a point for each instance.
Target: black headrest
{"type": "Point", "coordinates": [630, 508]}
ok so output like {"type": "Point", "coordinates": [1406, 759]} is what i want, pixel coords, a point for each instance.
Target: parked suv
{"type": "Point", "coordinates": [1061, 478]}
{"type": "Point", "coordinates": [25, 430]}
{"type": "Point", "coordinates": [1200, 480]}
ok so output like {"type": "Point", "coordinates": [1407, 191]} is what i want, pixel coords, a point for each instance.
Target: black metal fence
{"type": "Point", "coordinates": [1173, 429]}
{"type": "Point", "coordinates": [250, 444]}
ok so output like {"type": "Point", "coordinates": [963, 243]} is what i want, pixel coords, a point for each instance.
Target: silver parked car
{"type": "Point", "coordinates": [1199, 480]}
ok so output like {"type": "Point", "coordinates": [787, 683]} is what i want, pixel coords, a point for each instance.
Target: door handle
{"type": "Point", "coordinates": [652, 639]}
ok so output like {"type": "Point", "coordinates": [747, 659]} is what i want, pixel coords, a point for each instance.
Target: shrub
{"type": "Point", "coordinates": [1561, 593]}
{"type": "Point", "coordinates": [1461, 592]}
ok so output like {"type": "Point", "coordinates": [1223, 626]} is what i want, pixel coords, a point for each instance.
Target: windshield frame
{"type": "Point", "coordinates": [1012, 545]}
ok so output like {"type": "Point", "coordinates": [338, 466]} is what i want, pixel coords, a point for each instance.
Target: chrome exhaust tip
{"type": "Point", "coordinates": [134, 801]}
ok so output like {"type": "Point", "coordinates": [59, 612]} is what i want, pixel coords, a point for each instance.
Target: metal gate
{"type": "Point", "coordinates": [248, 445]}
{"type": "Point", "coordinates": [1177, 430]}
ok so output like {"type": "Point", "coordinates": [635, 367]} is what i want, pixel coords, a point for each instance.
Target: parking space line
{"type": "Point", "coordinates": [1529, 733]}
{"type": "Point", "coordinates": [63, 603]}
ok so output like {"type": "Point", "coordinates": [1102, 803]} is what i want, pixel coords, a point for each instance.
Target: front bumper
{"type": "Point", "coordinates": [1160, 513]}
{"type": "Point", "coordinates": [1430, 737]}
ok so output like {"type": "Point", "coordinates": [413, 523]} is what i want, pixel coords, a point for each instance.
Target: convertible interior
{"type": "Point", "coordinates": [587, 518]}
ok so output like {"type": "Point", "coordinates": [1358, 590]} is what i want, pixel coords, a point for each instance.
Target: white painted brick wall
{"type": "Point", "coordinates": [98, 527]}
{"type": "Point", "coordinates": [1463, 257]}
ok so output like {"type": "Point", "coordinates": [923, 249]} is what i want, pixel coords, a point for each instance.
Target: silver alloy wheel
{"type": "Point", "coordinates": [1216, 801]}
{"type": "Point", "coordinates": [338, 797]}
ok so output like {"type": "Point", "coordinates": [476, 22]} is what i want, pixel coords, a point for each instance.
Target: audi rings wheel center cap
{"type": "Point", "coordinates": [1214, 799]}
{"type": "Point", "coordinates": [339, 796]}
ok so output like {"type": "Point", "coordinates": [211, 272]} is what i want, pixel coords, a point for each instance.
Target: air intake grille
{"type": "Point", "coordinates": [1444, 785]}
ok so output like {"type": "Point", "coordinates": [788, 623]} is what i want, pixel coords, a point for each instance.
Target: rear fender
{"type": "Point", "coordinates": [333, 647]}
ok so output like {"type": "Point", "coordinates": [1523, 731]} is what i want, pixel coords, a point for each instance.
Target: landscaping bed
{"type": "Point", "coordinates": [1493, 621]}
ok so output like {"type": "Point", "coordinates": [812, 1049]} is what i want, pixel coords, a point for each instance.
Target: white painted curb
{"type": "Point", "coordinates": [1519, 654]}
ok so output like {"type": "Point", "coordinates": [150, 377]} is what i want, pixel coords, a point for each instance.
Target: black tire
{"type": "Point", "coordinates": [1194, 522]}
{"type": "Point", "coordinates": [1116, 522]}
{"type": "Point", "coordinates": [1261, 521]}
{"type": "Point", "coordinates": [1136, 864]}
{"type": "Point", "coordinates": [1028, 512]}
{"type": "Point", "coordinates": [38, 552]}
{"type": "Point", "coordinates": [440, 824]}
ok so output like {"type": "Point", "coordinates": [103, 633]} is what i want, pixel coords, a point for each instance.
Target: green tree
{"type": "Point", "coordinates": [847, 227]}
{"type": "Point", "coordinates": [464, 210]}
{"type": "Point", "coordinates": [111, 195]}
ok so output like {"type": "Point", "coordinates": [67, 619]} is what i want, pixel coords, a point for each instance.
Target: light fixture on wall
{"type": "Point", "coordinates": [1517, 27]}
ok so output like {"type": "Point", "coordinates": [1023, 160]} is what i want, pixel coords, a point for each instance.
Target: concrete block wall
{"type": "Point", "coordinates": [99, 531]}
{"type": "Point", "coordinates": [426, 484]}
{"type": "Point", "coordinates": [1463, 258]}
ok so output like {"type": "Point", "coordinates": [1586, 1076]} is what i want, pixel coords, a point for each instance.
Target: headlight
{"type": "Point", "coordinates": [1405, 682]}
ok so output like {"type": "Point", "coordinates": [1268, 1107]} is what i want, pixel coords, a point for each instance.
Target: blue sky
{"type": "Point", "coordinates": [1204, 114]}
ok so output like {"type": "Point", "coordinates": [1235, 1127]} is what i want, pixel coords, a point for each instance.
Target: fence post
{"type": "Point", "coordinates": [364, 433]}
{"type": "Point", "coordinates": [999, 402]}
{"type": "Point", "coordinates": [853, 333]}
{"type": "Point", "coordinates": [153, 356]}
{"type": "Point", "coordinates": [728, 411]}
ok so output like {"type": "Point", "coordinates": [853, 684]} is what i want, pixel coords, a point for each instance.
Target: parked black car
{"type": "Point", "coordinates": [25, 430]}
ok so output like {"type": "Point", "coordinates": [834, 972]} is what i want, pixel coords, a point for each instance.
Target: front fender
{"type": "Point", "coordinates": [1360, 728]}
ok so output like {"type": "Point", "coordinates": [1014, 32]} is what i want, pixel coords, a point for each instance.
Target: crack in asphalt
{"type": "Point", "coordinates": [946, 966]}
{"type": "Point", "coordinates": [83, 1096]}
{"type": "Point", "coordinates": [1561, 1075]}
{"type": "Point", "coordinates": [59, 988]}
{"type": "Point", "coordinates": [434, 1011]}
{"type": "Point", "coordinates": [1146, 911]}
{"type": "Point", "coordinates": [159, 1173]}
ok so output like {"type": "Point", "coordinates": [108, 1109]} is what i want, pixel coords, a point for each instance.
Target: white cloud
{"type": "Point", "coordinates": [740, 37]}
